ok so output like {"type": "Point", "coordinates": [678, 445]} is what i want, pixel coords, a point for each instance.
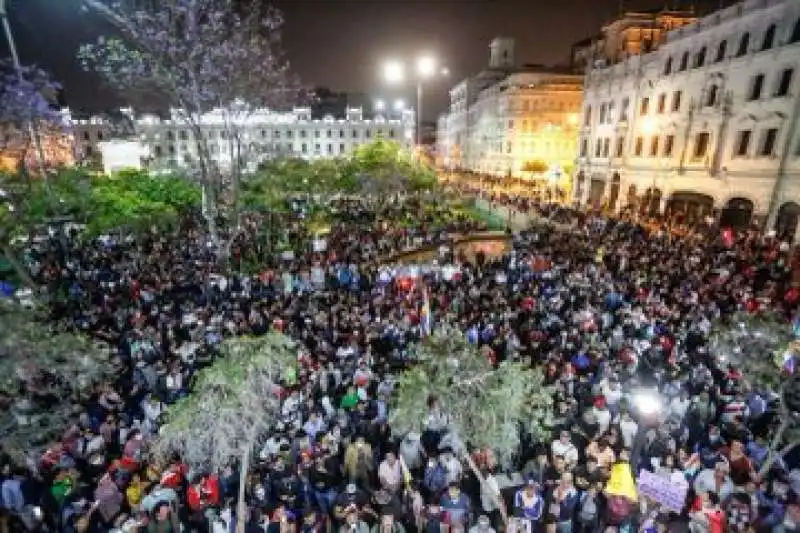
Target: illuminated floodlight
{"type": "Point", "coordinates": [426, 66]}
{"type": "Point", "coordinates": [393, 71]}
{"type": "Point", "coordinates": [399, 105]}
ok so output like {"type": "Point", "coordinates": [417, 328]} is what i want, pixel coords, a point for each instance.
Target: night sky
{"type": "Point", "coordinates": [341, 44]}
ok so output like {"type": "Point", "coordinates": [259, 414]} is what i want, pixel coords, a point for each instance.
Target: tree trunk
{"type": "Point", "coordinates": [19, 269]}
{"type": "Point", "coordinates": [241, 505]}
{"type": "Point", "coordinates": [498, 500]}
{"type": "Point", "coordinates": [773, 445]}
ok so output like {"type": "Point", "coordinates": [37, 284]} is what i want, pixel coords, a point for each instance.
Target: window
{"type": "Point", "coordinates": [757, 85]}
{"type": "Point", "coordinates": [620, 146]}
{"type": "Point", "coordinates": [157, 150]}
{"type": "Point", "coordinates": [86, 136]}
{"type": "Point", "coordinates": [171, 149]}
{"type": "Point", "coordinates": [316, 148]}
{"type": "Point", "coordinates": [684, 61]}
{"type": "Point", "coordinates": [341, 134]}
{"type": "Point", "coordinates": [391, 134]}
{"type": "Point", "coordinates": [784, 83]}
{"type": "Point", "coordinates": [511, 124]}
{"type": "Point", "coordinates": [711, 96]}
{"type": "Point", "coordinates": [587, 116]}
{"type": "Point", "coordinates": [676, 101]}
{"type": "Point", "coordinates": [276, 134]}
{"type": "Point", "coordinates": [721, 49]}
{"type": "Point", "coordinates": [183, 135]}
{"type": "Point", "coordinates": [669, 143]}
{"type": "Point", "coordinates": [769, 38]}
{"type": "Point", "coordinates": [662, 102]}
{"type": "Point", "coordinates": [289, 134]}
{"type": "Point", "coordinates": [303, 134]}
{"type": "Point", "coordinates": [316, 134]}
{"type": "Point", "coordinates": [367, 134]}
{"type": "Point", "coordinates": [795, 32]}
{"type": "Point", "coordinates": [654, 147]}
{"type": "Point", "coordinates": [355, 134]}
{"type": "Point", "coordinates": [743, 143]}
{"type": "Point", "coordinates": [341, 148]}
{"type": "Point", "coordinates": [330, 134]}
{"type": "Point", "coordinates": [170, 136]}
{"type": "Point", "coordinates": [602, 119]}
{"type": "Point", "coordinates": [598, 147]}
{"type": "Point", "coordinates": [668, 67]}
{"type": "Point", "coordinates": [304, 148]}
{"type": "Point", "coordinates": [700, 58]}
{"type": "Point", "coordinates": [606, 146]}
{"type": "Point", "coordinates": [289, 147]}
{"type": "Point", "coordinates": [508, 147]}
{"type": "Point", "coordinates": [263, 133]}
{"type": "Point", "coordinates": [768, 142]}
{"type": "Point", "coordinates": [610, 115]}
{"type": "Point", "coordinates": [330, 148]}
{"type": "Point", "coordinates": [584, 147]}
{"type": "Point", "coordinates": [644, 105]}
{"type": "Point", "coordinates": [637, 149]}
{"type": "Point", "coordinates": [701, 144]}
{"type": "Point", "coordinates": [744, 44]}
{"type": "Point", "coordinates": [623, 110]}
{"type": "Point", "coordinates": [223, 135]}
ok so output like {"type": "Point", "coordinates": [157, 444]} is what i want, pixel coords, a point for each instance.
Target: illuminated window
{"type": "Point", "coordinates": [701, 144]}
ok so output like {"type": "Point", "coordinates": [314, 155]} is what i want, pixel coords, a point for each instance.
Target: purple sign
{"type": "Point", "coordinates": [668, 493]}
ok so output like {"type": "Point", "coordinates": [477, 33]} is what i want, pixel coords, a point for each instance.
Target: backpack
{"type": "Point", "coordinates": [619, 508]}
{"type": "Point", "coordinates": [588, 512]}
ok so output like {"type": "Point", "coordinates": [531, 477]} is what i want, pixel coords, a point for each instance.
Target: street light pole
{"type": "Point", "coordinates": [419, 113]}
{"type": "Point", "coordinates": [12, 49]}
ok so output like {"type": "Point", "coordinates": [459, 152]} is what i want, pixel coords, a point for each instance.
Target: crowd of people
{"type": "Point", "coordinates": [604, 309]}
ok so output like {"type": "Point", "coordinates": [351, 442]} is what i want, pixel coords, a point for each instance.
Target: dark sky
{"type": "Point", "coordinates": [342, 43]}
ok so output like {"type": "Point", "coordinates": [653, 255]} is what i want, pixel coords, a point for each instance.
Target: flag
{"type": "Point", "coordinates": [796, 326]}
{"type": "Point", "coordinates": [621, 482]}
{"type": "Point", "coordinates": [425, 312]}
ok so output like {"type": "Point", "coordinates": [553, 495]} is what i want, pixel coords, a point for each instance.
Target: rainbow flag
{"type": "Point", "coordinates": [425, 312]}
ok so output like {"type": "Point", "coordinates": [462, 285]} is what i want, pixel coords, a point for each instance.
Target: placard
{"type": "Point", "coordinates": [668, 493]}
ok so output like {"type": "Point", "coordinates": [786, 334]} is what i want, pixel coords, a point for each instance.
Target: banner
{"type": "Point", "coordinates": [620, 483]}
{"type": "Point", "coordinates": [670, 494]}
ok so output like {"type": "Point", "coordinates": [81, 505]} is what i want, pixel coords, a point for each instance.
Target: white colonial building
{"type": "Point", "coordinates": [169, 141]}
{"type": "Point", "coordinates": [507, 120]}
{"type": "Point", "coordinates": [707, 124]}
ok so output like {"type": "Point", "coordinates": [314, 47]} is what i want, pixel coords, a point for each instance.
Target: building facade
{"type": "Point", "coordinates": [706, 125]}
{"type": "Point", "coordinates": [510, 121]}
{"type": "Point", "coordinates": [264, 134]}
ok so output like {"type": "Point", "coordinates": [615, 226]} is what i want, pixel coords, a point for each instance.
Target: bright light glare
{"type": "Point", "coordinates": [399, 105]}
{"type": "Point", "coordinates": [426, 66]}
{"type": "Point", "coordinates": [647, 402]}
{"type": "Point", "coordinates": [648, 126]}
{"type": "Point", "coordinates": [573, 118]}
{"type": "Point", "coordinates": [393, 71]}
{"type": "Point", "coordinates": [379, 105]}
{"type": "Point", "coordinates": [445, 71]}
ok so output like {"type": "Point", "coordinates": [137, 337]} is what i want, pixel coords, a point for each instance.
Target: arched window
{"type": "Point", "coordinates": [721, 49]}
{"type": "Point", "coordinates": [744, 44]}
{"type": "Point", "coordinates": [795, 32]}
{"type": "Point", "coordinates": [700, 58]}
{"type": "Point", "coordinates": [711, 96]}
{"type": "Point", "coordinates": [684, 61]}
{"type": "Point", "coordinates": [668, 66]}
{"type": "Point", "coordinates": [769, 38]}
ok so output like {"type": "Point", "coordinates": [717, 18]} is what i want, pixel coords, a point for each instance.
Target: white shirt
{"type": "Point", "coordinates": [568, 451]}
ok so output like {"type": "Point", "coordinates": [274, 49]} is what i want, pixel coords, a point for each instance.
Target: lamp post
{"type": "Point", "coordinates": [426, 68]}
{"type": "Point", "coordinates": [12, 49]}
{"type": "Point", "coordinates": [647, 404]}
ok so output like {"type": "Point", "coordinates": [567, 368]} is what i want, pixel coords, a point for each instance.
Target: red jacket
{"type": "Point", "coordinates": [205, 494]}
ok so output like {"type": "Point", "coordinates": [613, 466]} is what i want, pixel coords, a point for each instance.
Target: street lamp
{"type": "Point", "coordinates": [427, 68]}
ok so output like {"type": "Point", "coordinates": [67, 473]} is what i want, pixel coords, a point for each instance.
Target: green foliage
{"type": "Point", "coordinates": [754, 343]}
{"type": "Point", "coordinates": [233, 403]}
{"type": "Point", "coordinates": [43, 373]}
{"type": "Point", "coordinates": [104, 203]}
{"type": "Point", "coordinates": [485, 406]}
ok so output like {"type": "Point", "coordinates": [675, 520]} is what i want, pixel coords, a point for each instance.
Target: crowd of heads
{"type": "Point", "coordinates": [606, 308]}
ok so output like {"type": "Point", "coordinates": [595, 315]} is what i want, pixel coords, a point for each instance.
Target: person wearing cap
{"type": "Point", "coordinates": [456, 505]}
{"type": "Point", "coordinates": [483, 525]}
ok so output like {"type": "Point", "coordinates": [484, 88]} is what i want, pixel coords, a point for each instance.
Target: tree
{"type": "Point", "coordinates": [383, 167]}
{"type": "Point", "coordinates": [27, 98]}
{"type": "Point", "coordinates": [485, 406]}
{"type": "Point", "coordinates": [199, 55]}
{"type": "Point", "coordinates": [232, 406]}
{"type": "Point", "coordinates": [43, 374]}
{"type": "Point", "coordinates": [764, 349]}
